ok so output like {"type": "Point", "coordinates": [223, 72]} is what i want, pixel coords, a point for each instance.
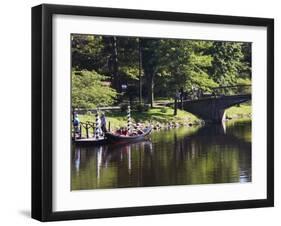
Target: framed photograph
{"type": "Point", "coordinates": [146, 112]}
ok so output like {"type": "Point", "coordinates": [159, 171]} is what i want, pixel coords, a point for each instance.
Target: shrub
{"type": "Point", "coordinates": [164, 110]}
{"type": "Point", "coordinates": [141, 107]}
{"type": "Point", "coordinates": [90, 90]}
{"type": "Point", "coordinates": [124, 107]}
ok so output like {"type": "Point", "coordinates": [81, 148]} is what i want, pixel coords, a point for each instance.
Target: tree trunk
{"type": "Point", "coordinates": [116, 81]}
{"type": "Point", "coordinates": [176, 106]}
{"type": "Point", "coordinates": [140, 63]}
{"type": "Point", "coordinates": [151, 89]}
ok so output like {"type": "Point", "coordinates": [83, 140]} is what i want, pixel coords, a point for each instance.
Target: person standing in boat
{"type": "Point", "coordinates": [103, 123]}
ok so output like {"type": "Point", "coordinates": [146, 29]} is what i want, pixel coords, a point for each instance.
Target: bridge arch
{"type": "Point", "coordinates": [211, 108]}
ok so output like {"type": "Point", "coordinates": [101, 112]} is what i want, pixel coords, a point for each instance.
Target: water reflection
{"type": "Point", "coordinates": [211, 154]}
{"type": "Point", "coordinates": [77, 159]}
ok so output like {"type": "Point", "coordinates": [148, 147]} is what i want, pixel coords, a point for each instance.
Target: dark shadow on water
{"type": "Point", "coordinates": [212, 130]}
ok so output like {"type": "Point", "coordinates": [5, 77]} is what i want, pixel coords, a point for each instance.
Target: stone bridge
{"type": "Point", "coordinates": [211, 108]}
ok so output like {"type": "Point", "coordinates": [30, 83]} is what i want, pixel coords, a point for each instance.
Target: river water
{"type": "Point", "coordinates": [183, 156]}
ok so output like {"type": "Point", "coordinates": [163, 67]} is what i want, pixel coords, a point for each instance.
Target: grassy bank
{"type": "Point", "coordinates": [238, 112]}
{"type": "Point", "coordinates": [162, 115]}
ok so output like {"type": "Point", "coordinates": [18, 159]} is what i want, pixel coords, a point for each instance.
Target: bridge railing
{"type": "Point", "coordinates": [198, 93]}
{"type": "Point", "coordinates": [232, 90]}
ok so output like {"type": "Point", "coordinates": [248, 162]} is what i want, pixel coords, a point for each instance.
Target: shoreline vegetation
{"type": "Point", "coordinates": [239, 112]}
{"type": "Point", "coordinates": [163, 117]}
{"type": "Point", "coordinates": [108, 72]}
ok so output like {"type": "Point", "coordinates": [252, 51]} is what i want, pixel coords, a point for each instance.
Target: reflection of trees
{"type": "Point", "coordinates": [205, 155]}
{"type": "Point", "coordinates": [239, 130]}
{"type": "Point", "coordinates": [224, 156]}
{"type": "Point", "coordinates": [238, 135]}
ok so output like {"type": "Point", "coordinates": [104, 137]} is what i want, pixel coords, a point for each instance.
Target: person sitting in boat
{"type": "Point", "coordinates": [119, 131]}
{"type": "Point", "coordinates": [134, 132]}
{"type": "Point", "coordinates": [138, 129]}
{"type": "Point", "coordinates": [124, 132]}
{"type": "Point", "coordinates": [103, 123]}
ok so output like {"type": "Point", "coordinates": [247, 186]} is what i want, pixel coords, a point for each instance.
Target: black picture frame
{"type": "Point", "coordinates": [42, 111]}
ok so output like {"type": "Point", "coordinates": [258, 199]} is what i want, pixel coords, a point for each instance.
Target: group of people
{"type": "Point", "coordinates": [76, 123]}
{"type": "Point", "coordinates": [136, 130]}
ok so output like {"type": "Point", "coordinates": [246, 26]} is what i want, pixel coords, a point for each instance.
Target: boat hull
{"type": "Point", "coordinates": [120, 138]}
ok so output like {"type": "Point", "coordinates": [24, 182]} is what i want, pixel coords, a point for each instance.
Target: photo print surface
{"type": "Point", "coordinates": [158, 112]}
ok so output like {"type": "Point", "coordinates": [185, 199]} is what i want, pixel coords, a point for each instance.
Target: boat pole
{"type": "Point", "coordinates": [129, 119]}
{"type": "Point", "coordinates": [97, 128]}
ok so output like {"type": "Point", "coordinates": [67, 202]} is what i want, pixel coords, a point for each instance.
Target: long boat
{"type": "Point", "coordinates": [113, 137]}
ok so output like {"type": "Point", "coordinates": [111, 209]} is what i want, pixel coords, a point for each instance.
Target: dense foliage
{"type": "Point", "coordinates": [90, 91]}
{"type": "Point", "coordinates": [164, 66]}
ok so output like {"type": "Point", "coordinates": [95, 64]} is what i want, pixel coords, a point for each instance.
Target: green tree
{"type": "Point", "coordinates": [89, 90]}
{"type": "Point", "coordinates": [192, 64]}
{"type": "Point", "coordinates": [184, 64]}
{"type": "Point", "coordinates": [151, 60]}
{"type": "Point", "coordinates": [228, 62]}
{"type": "Point", "coordinates": [88, 52]}
{"type": "Point", "coordinates": [164, 65]}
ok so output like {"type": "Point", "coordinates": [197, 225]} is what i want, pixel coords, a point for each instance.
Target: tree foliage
{"type": "Point", "coordinates": [164, 66]}
{"type": "Point", "coordinates": [228, 63]}
{"type": "Point", "coordinates": [90, 91]}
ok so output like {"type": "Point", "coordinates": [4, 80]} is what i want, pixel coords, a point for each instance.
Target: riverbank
{"type": "Point", "coordinates": [158, 116]}
{"type": "Point", "coordinates": [239, 112]}
{"type": "Point", "coordinates": [164, 117]}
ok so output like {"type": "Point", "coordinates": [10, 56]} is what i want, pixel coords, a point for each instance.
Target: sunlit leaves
{"type": "Point", "coordinates": [89, 90]}
{"type": "Point", "coordinates": [167, 65]}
